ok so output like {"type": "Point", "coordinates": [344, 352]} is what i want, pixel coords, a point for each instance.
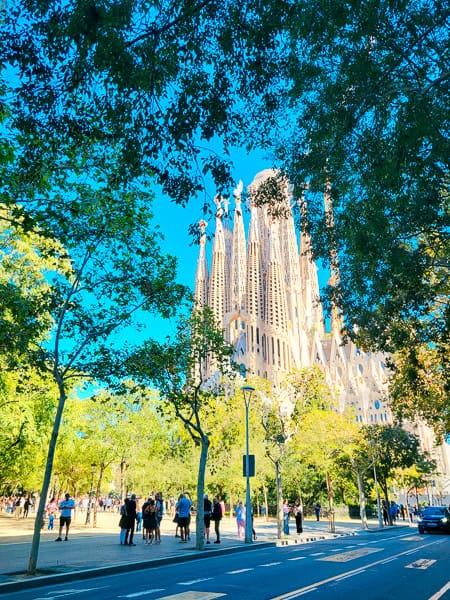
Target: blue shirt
{"type": "Point", "coordinates": [184, 507]}
{"type": "Point", "coordinates": [66, 507]}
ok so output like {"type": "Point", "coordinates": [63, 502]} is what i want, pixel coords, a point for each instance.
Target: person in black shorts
{"type": "Point", "coordinates": [66, 507]}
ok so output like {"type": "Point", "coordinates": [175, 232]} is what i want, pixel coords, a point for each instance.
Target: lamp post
{"type": "Point", "coordinates": [380, 516]}
{"type": "Point", "coordinates": [247, 391]}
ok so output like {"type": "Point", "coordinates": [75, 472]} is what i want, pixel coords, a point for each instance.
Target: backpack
{"type": "Point", "coordinates": [123, 510]}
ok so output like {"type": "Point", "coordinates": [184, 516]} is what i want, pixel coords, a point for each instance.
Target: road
{"type": "Point", "coordinates": [388, 565]}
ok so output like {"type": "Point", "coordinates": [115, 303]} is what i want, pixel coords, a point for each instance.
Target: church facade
{"type": "Point", "coordinates": [263, 288]}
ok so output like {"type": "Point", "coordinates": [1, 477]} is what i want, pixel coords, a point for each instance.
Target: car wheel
{"type": "Point", "coordinates": [421, 530]}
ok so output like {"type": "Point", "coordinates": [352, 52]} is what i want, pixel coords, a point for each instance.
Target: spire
{"type": "Point", "coordinates": [218, 280]}
{"type": "Point", "coordinates": [238, 257]}
{"type": "Point", "coordinates": [201, 274]}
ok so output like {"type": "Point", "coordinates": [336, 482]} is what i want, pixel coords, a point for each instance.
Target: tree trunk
{"type": "Point", "coordinates": [200, 538]}
{"type": "Point", "coordinates": [279, 499]}
{"type": "Point", "coordinates": [266, 503]}
{"type": "Point", "coordinates": [32, 563]}
{"type": "Point", "coordinates": [97, 494]}
{"type": "Point", "coordinates": [362, 501]}
{"type": "Point", "coordinates": [386, 499]}
{"type": "Point", "coordinates": [123, 472]}
{"type": "Point", "coordinates": [331, 524]}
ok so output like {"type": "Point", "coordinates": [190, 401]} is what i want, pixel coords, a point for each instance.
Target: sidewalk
{"type": "Point", "coordinates": [92, 552]}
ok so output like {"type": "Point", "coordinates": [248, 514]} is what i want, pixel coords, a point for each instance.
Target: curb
{"type": "Point", "coordinates": [55, 578]}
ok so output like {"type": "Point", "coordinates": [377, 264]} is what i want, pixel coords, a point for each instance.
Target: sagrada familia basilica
{"type": "Point", "coordinates": [264, 290]}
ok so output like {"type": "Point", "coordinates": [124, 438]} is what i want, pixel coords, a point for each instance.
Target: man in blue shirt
{"type": "Point", "coordinates": [66, 507]}
{"type": "Point", "coordinates": [183, 507]}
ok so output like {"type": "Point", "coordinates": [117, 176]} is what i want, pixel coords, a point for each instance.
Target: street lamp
{"type": "Point", "coordinates": [380, 516]}
{"type": "Point", "coordinates": [247, 391]}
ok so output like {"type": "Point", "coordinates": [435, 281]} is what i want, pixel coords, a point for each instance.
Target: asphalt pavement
{"type": "Point", "coordinates": [90, 552]}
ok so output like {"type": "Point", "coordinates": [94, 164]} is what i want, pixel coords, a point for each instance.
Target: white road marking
{"type": "Point", "coordinates": [195, 581]}
{"type": "Point", "coordinates": [421, 563]}
{"type": "Point", "coordinates": [315, 585]}
{"type": "Point", "coordinates": [318, 554]}
{"type": "Point", "coordinates": [69, 592]}
{"type": "Point", "coordinates": [297, 558]}
{"type": "Point", "coordinates": [193, 595]}
{"type": "Point", "coordinates": [351, 554]}
{"type": "Point", "coordinates": [272, 564]}
{"type": "Point", "coordinates": [238, 571]}
{"type": "Point", "coordinates": [440, 592]}
{"type": "Point", "coordinates": [351, 575]}
{"type": "Point", "coordinates": [144, 593]}
{"type": "Point", "coordinates": [388, 560]}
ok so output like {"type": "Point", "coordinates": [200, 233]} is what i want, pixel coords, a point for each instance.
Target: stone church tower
{"type": "Point", "coordinates": [264, 291]}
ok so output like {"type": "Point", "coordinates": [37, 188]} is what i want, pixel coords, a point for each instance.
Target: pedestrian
{"type": "Point", "coordinates": [253, 523]}
{"type": "Point", "coordinates": [216, 517]}
{"type": "Point", "coordinates": [52, 509]}
{"type": "Point", "coordinates": [130, 503]}
{"type": "Point", "coordinates": [66, 507]}
{"type": "Point", "coordinates": [207, 511]}
{"type": "Point", "coordinates": [393, 510]}
{"type": "Point", "coordinates": [317, 508]}
{"type": "Point", "coordinates": [159, 503]}
{"type": "Point", "coordinates": [26, 507]}
{"type": "Point", "coordinates": [175, 520]}
{"type": "Point", "coordinates": [123, 524]}
{"type": "Point", "coordinates": [385, 513]}
{"type": "Point", "coordinates": [240, 518]}
{"type": "Point", "coordinates": [298, 510]}
{"type": "Point", "coordinates": [222, 505]}
{"type": "Point", "coordinates": [150, 522]}
{"type": "Point", "coordinates": [183, 508]}
{"type": "Point", "coordinates": [286, 514]}
{"type": "Point", "coordinates": [138, 516]}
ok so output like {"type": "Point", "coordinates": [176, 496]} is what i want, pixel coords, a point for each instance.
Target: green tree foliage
{"type": "Point", "coordinates": [109, 275]}
{"type": "Point", "coordinates": [394, 448]}
{"type": "Point", "coordinates": [369, 98]}
{"type": "Point", "coordinates": [137, 85]}
{"type": "Point", "coordinates": [177, 368]}
{"type": "Point", "coordinates": [323, 438]}
{"type": "Point", "coordinates": [419, 385]}
{"type": "Point", "coordinates": [26, 406]}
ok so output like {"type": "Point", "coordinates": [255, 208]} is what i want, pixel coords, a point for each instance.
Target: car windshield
{"type": "Point", "coordinates": [433, 511]}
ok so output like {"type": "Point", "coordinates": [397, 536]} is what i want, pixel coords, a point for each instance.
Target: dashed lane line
{"type": "Point", "coordinates": [192, 581]}
{"type": "Point", "coordinates": [238, 571]}
{"type": "Point", "coordinates": [193, 595]}
{"type": "Point", "coordinates": [143, 593]}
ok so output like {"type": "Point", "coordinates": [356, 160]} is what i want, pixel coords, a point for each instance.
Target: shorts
{"type": "Point", "coordinates": [207, 520]}
{"type": "Point", "coordinates": [183, 521]}
{"type": "Point", "coordinates": [65, 521]}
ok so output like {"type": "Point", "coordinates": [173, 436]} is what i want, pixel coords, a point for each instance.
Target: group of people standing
{"type": "Point", "coordinates": [297, 512]}
{"type": "Point", "coordinates": [149, 516]}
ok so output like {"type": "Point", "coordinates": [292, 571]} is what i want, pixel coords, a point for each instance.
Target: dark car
{"type": "Point", "coordinates": [434, 518]}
